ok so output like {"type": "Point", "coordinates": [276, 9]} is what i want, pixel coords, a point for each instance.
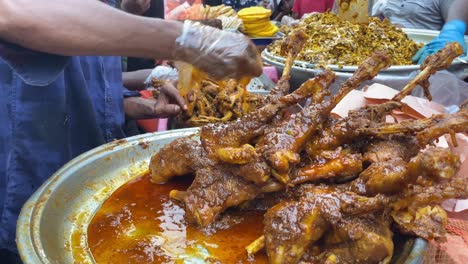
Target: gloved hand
{"type": "Point", "coordinates": [453, 31]}
{"type": "Point", "coordinates": [219, 53]}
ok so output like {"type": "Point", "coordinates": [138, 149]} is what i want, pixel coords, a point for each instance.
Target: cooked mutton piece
{"type": "Point", "coordinates": [281, 145]}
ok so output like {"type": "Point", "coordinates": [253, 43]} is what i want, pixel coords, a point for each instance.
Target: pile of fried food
{"type": "Point", "coordinates": [257, 22]}
{"type": "Point", "coordinates": [226, 14]}
{"type": "Point", "coordinates": [333, 41]}
{"type": "Point", "coordinates": [333, 188]}
{"type": "Point", "coordinates": [210, 101]}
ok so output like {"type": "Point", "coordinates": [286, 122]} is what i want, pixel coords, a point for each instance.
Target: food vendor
{"type": "Point", "coordinates": [448, 16]}
{"type": "Point", "coordinates": [54, 107]}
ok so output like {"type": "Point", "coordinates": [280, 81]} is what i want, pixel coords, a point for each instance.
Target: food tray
{"type": "Point", "coordinates": [52, 226]}
{"type": "Point", "coordinates": [261, 85]}
{"type": "Point", "coordinates": [418, 35]}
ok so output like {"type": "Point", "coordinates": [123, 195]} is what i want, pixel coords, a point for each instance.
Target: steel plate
{"type": "Point", "coordinates": [52, 226]}
{"type": "Point", "coordinates": [418, 35]}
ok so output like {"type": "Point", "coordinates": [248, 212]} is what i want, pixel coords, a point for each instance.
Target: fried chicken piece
{"type": "Point", "coordinates": [244, 129]}
{"type": "Point", "coordinates": [293, 225]}
{"type": "Point", "coordinates": [427, 129]}
{"type": "Point", "coordinates": [343, 166]}
{"type": "Point", "coordinates": [403, 148]}
{"type": "Point", "coordinates": [345, 130]}
{"type": "Point", "coordinates": [415, 210]}
{"type": "Point", "coordinates": [290, 227]}
{"type": "Point", "coordinates": [213, 190]}
{"type": "Point", "coordinates": [424, 192]}
{"type": "Point", "coordinates": [433, 63]}
{"type": "Point", "coordinates": [453, 123]}
{"type": "Point", "coordinates": [435, 163]}
{"type": "Point", "coordinates": [180, 157]}
{"type": "Point", "coordinates": [386, 176]}
{"type": "Point", "coordinates": [358, 239]}
{"type": "Point", "coordinates": [392, 175]}
{"type": "Point", "coordinates": [217, 137]}
{"type": "Point", "coordinates": [427, 222]}
{"type": "Point", "coordinates": [281, 145]}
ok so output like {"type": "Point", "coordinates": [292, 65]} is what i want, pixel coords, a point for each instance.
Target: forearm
{"type": "Point", "coordinates": [138, 108]}
{"type": "Point", "coordinates": [458, 11]}
{"type": "Point", "coordinates": [85, 27]}
{"type": "Point", "coordinates": [135, 80]}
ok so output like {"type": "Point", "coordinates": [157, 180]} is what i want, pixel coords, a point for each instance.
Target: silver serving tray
{"type": "Point", "coordinates": [52, 226]}
{"type": "Point", "coordinates": [418, 35]}
{"type": "Point", "coordinates": [261, 85]}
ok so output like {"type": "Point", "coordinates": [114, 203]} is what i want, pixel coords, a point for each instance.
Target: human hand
{"type": "Point", "coordinates": [167, 104]}
{"type": "Point", "coordinates": [136, 7]}
{"type": "Point", "coordinates": [221, 54]}
{"type": "Point", "coordinates": [453, 31]}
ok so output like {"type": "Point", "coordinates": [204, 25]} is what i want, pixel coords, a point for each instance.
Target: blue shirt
{"type": "Point", "coordinates": [52, 108]}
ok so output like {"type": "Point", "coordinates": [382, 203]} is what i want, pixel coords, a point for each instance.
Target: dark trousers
{"type": "Point", "coordinates": [8, 257]}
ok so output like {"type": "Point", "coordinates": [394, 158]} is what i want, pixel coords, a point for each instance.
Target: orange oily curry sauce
{"type": "Point", "coordinates": [139, 223]}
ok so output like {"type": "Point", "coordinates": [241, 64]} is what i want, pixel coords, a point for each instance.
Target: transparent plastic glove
{"type": "Point", "coordinates": [452, 31]}
{"type": "Point", "coordinates": [289, 21]}
{"type": "Point", "coordinates": [162, 73]}
{"type": "Point", "coordinates": [219, 53]}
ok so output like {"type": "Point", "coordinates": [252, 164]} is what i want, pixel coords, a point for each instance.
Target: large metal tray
{"type": "Point", "coordinates": [418, 35]}
{"type": "Point", "coordinates": [53, 223]}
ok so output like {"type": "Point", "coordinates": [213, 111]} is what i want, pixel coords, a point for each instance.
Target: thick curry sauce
{"type": "Point", "coordinates": [139, 223]}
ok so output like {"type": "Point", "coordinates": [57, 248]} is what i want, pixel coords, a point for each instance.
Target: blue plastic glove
{"type": "Point", "coordinates": [453, 31]}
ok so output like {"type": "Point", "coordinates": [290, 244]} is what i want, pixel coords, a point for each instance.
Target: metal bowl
{"type": "Point", "coordinates": [52, 226]}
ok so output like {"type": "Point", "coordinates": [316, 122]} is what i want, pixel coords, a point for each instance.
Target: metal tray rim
{"type": "Point", "coordinates": [303, 65]}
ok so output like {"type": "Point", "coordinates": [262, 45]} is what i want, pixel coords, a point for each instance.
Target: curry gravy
{"type": "Point", "coordinates": [139, 223]}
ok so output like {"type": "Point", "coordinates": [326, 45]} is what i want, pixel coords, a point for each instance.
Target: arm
{"type": "Point", "coordinates": [75, 27]}
{"type": "Point", "coordinates": [458, 10]}
{"type": "Point", "coordinates": [135, 80]}
{"type": "Point", "coordinates": [453, 31]}
{"type": "Point", "coordinates": [445, 6]}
